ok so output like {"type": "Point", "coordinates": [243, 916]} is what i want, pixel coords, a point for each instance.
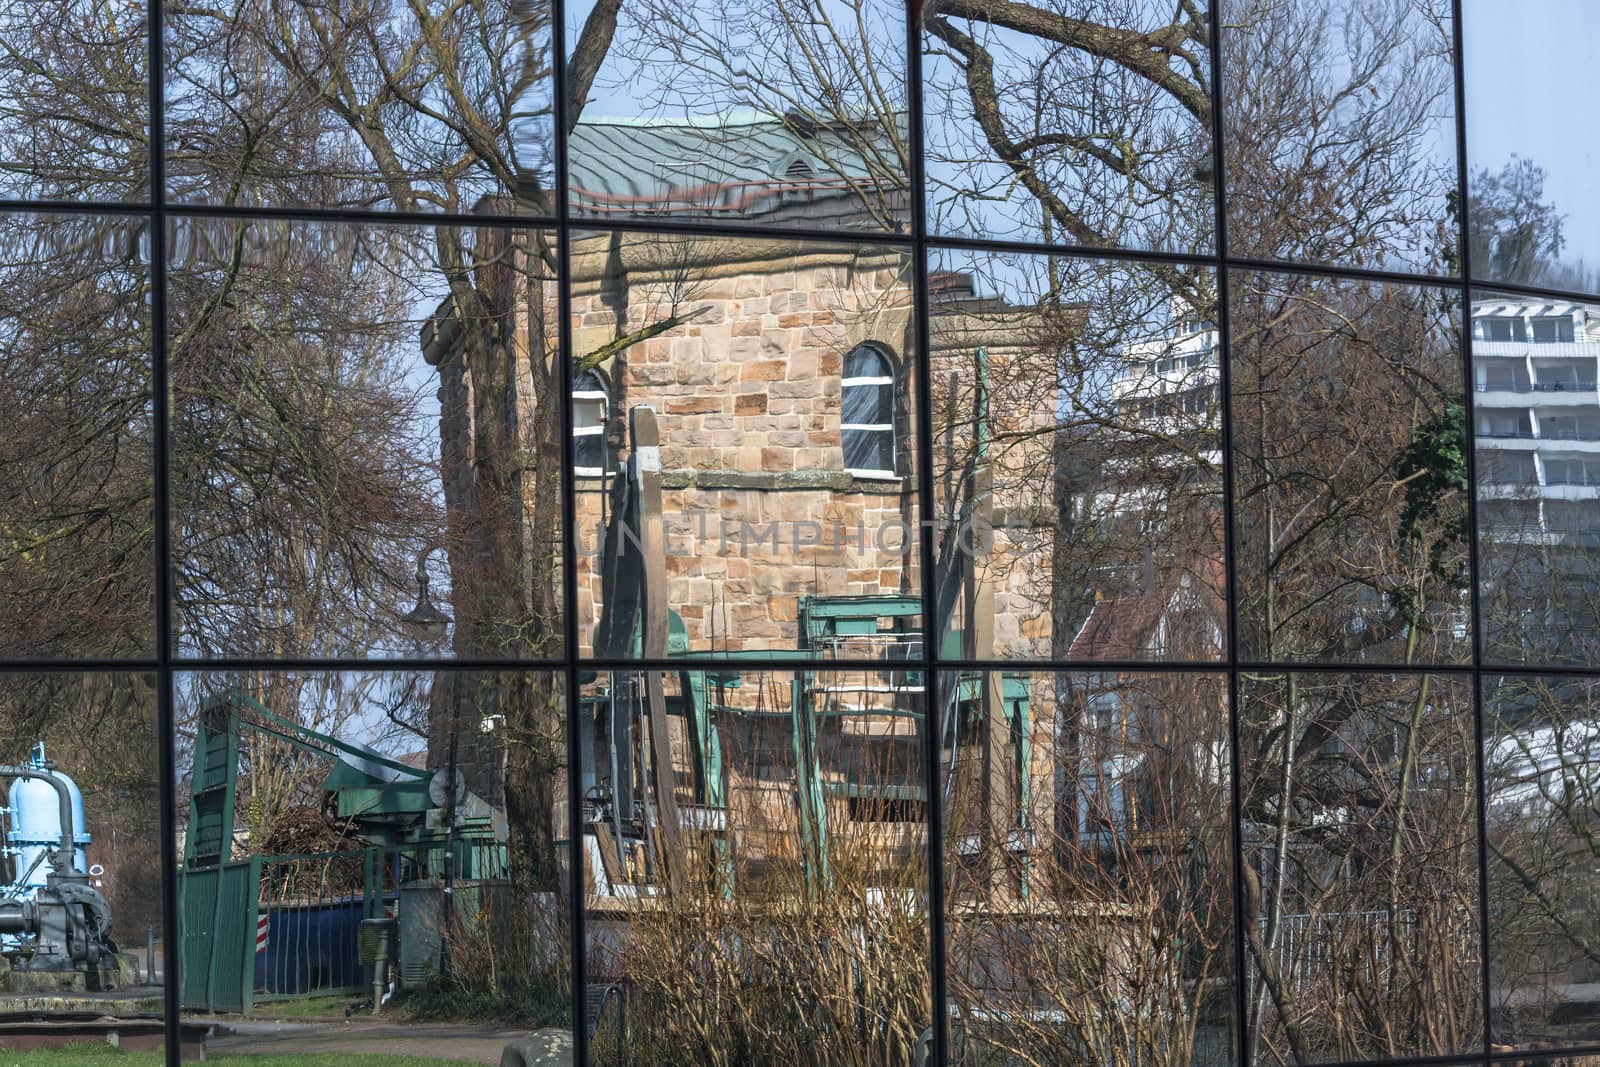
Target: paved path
{"type": "Point", "coordinates": [468, 1042]}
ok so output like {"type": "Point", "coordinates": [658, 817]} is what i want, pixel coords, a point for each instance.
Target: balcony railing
{"type": "Point", "coordinates": [1542, 435]}
{"type": "Point", "coordinates": [1528, 347]}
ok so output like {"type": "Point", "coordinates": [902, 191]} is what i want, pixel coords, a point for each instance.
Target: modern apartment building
{"type": "Point", "coordinates": [1537, 412]}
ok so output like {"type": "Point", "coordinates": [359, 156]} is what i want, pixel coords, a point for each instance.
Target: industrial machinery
{"type": "Point", "coordinates": [55, 926]}
{"type": "Point", "coordinates": [852, 735]}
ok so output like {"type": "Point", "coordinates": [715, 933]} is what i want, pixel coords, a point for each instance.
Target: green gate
{"type": "Point", "coordinates": [217, 922]}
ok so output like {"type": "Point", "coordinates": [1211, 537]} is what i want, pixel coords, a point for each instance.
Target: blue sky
{"type": "Point", "coordinates": [1531, 92]}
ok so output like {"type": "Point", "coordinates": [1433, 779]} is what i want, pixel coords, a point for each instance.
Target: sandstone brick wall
{"type": "Point", "coordinates": [759, 507]}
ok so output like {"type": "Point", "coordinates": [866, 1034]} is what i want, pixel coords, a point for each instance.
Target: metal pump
{"type": "Point", "coordinates": [64, 924]}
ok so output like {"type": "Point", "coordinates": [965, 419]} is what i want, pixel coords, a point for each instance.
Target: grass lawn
{"type": "Point", "coordinates": [105, 1056]}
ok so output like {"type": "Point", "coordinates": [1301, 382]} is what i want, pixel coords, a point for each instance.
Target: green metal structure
{"type": "Point", "coordinates": [221, 898]}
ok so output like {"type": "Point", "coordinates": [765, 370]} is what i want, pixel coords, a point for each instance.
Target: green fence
{"type": "Point", "coordinates": [279, 927]}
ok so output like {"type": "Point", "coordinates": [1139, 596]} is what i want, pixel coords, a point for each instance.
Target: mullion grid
{"type": "Point", "coordinates": [1469, 399]}
{"type": "Point", "coordinates": [166, 704]}
{"type": "Point", "coordinates": [166, 665]}
{"type": "Point", "coordinates": [576, 855]}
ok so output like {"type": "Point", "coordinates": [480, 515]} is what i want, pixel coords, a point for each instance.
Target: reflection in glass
{"type": "Point", "coordinates": [1341, 132]}
{"type": "Point", "coordinates": [354, 408]}
{"type": "Point", "coordinates": [1530, 201]}
{"type": "Point", "coordinates": [80, 877]}
{"type": "Point", "coordinates": [1542, 790]}
{"type": "Point", "coordinates": [1361, 875]}
{"type": "Point", "coordinates": [74, 100]}
{"type": "Point", "coordinates": [1070, 123]}
{"type": "Point", "coordinates": [763, 494]}
{"type": "Point", "coordinates": [1350, 471]}
{"type": "Point", "coordinates": [1077, 469]}
{"type": "Point", "coordinates": [388, 106]}
{"type": "Point", "coordinates": [1088, 863]}
{"type": "Point", "coordinates": [77, 574]}
{"type": "Point", "coordinates": [381, 841]}
{"type": "Point", "coordinates": [755, 866]}
{"type": "Point", "coordinates": [790, 113]}
{"type": "Point", "coordinates": [1535, 364]}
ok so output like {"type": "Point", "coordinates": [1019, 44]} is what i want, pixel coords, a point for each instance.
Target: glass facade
{"type": "Point", "coordinates": [831, 532]}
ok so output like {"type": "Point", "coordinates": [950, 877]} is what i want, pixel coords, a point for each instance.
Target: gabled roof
{"type": "Point", "coordinates": [1121, 627]}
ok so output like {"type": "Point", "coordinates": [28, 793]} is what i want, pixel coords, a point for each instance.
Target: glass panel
{"type": "Point", "coordinates": [1341, 139]}
{"type": "Point", "coordinates": [363, 844]}
{"type": "Point", "coordinates": [1535, 365]}
{"type": "Point", "coordinates": [401, 107]}
{"type": "Point", "coordinates": [77, 574]}
{"type": "Point", "coordinates": [868, 451]}
{"type": "Point", "coordinates": [1542, 790]}
{"type": "Point", "coordinates": [322, 452]}
{"type": "Point", "coordinates": [1530, 180]}
{"type": "Point", "coordinates": [756, 867]}
{"type": "Point", "coordinates": [739, 522]}
{"type": "Point", "coordinates": [81, 925]}
{"type": "Point", "coordinates": [588, 414]}
{"type": "Point", "coordinates": [1350, 471]}
{"type": "Point", "coordinates": [74, 100]}
{"type": "Point", "coordinates": [1361, 877]}
{"type": "Point", "coordinates": [864, 361]}
{"type": "Point", "coordinates": [791, 114]}
{"type": "Point", "coordinates": [1088, 862]}
{"type": "Point", "coordinates": [1077, 469]}
{"type": "Point", "coordinates": [1082, 123]}
{"type": "Point", "coordinates": [867, 405]}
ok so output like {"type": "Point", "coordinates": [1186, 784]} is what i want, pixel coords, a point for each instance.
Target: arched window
{"type": "Point", "coordinates": [867, 412]}
{"type": "Point", "coordinates": [591, 406]}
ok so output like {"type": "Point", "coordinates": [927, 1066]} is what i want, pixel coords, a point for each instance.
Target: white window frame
{"type": "Point", "coordinates": [604, 396]}
{"type": "Point", "coordinates": [869, 427]}
{"type": "Point", "coordinates": [1555, 321]}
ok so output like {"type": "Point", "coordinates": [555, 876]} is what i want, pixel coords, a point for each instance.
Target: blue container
{"type": "Point", "coordinates": [311, 947]}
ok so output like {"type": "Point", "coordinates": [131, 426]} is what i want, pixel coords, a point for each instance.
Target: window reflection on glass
{"type": "Point", "coordinates": [790, 113]}
{"type": "Point", "coordinates": [1350, 475]}
{"type": "Point", "coordinates": [754, 850]}
{"type": "Point", "coordinates": [1542, 791]}
{"type": "Point", "coordinates": [77, 492]}
{"type": "Point", "coordinates": [74, 100]}
{"type": "Point", "coordinates": [370, 840]}
{"type": "Point", "coordinates": [1530, 201]}
{"type": "Point", "coordinates": [80, 877]}
{"type": "Point", "coordinates": [1361, 890]}
{"type": "Point", "coordinates": [399, 107]}
{"type": "Point", "coordinates": [764, 492]}
{"type": "Point", "coordinates": [1088, 856]}
{"type": "Point", "coordinates": [1070, 123]}
{"type": "Point", "coordinates": [1535, 363]}
{"type": "Point", "coordinates": [329, 389]}
{"type": "Point", "coordinates": [1340, 138]}
{"type": "Point", "coordinates": [1076, 462]}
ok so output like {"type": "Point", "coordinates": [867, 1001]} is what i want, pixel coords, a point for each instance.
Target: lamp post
{"type": "Point", "coordinates": [427, 625]}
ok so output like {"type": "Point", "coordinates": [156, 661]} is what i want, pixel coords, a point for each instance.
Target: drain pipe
{"type": "Point", "coordinates": [69, 845]}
